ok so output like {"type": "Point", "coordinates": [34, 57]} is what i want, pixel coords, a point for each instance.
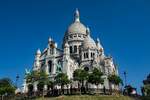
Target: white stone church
{"type": "Point", "coordinates": [79, 50]}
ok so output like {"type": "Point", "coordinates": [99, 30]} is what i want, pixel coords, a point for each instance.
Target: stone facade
{"type": "Point", "coordinates": [79, 50]}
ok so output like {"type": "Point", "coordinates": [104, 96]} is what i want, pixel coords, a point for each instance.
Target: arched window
{"type": "Point", "coordinates": [91, 54]}
{"type": "Point", "coordinates": [86, 68]}
{"type": "Point", "coordinates": [70, 36]}
{"type": "Point", "coordinates": [42, 63]}
{"type": "Point", "coordinates": [84, 56]}
{"type": "Point", "coordinates": [50, 66]}
{"type": "Point", "coordinates": [70, 49]}
{"type": "Point", "coordinates": [79, 35]}
{"type": "Point", "coordinates": [84, 36]}
{"type": "Point", "coordinates": [30, 88]}
{"type": "Point", "coordinates": [51, 52]}
{"type": "Point", "coordinates": [75, 49]}
{"type": "Point", "coordinates": [75, 35]}
{"type": "Point", "coordinates": [87, 56]}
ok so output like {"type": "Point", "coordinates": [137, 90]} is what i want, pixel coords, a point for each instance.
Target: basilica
{"type": "Point", "coordinates": [79, 50]}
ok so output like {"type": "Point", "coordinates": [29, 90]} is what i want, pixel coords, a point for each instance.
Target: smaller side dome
{"type": "Point", "coordinates": [89, 43]}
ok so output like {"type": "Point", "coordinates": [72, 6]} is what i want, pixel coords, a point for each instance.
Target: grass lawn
{"type": "Point", "coordinates": [87, 97]}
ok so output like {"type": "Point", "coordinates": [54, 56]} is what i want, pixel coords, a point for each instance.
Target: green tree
{"type": "Point", "coordinates": [147, 89]}
{"type": "Point", "coordinates": [80, 76]}
{"type": "Point", "coordinates": [32, 76]}
{"type": "Point", "coordinates": [40, 76]}
{"type": "Point", "coordinates": [62, 79]}
{"type": "Point", "coordinates": [44, 77]}
{"type": "Point", "coordinates": [114, 79]}
{"type": "Point", "coordinates": [96, 77]}
{"type": "Point", "coordinates": [6, 86]}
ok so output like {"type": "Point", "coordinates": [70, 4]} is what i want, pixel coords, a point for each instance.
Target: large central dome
{"type": "Point", "coordinates": [76, 26]}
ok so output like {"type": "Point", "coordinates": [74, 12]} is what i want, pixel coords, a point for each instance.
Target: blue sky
{"type": "Point", "coordinates": [123, 27]}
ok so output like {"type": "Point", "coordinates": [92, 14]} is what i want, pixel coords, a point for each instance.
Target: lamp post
{"type": "Point", "coordinates": [125, 77]}
{"type": "Point", "coordinates": [17, 78]}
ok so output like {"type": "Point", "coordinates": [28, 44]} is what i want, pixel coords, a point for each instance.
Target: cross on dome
{"type": "Point", "coordinates": [77, 15]}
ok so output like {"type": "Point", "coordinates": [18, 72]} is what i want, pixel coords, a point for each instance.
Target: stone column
{"type": "Point", "coordinates": [25, 88]}
{"type": "Point", "coordinates": [106, 82]}
{"type": "Point", "coordinates": [89, 55]}
{"type": "Point", "coordinates": [46, 67]}
{"type": "Point", "coordinates": [54, 66]}
{"type": "Point", "coordinates": [45, 87]}
{"type": "Point", "coordinates": [53, 63]}
{"type": "Point", "coordinates": [35, 86]}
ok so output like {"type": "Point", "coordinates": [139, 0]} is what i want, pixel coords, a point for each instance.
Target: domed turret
{"type": "Point", "coordinates": [66, 45]}
{"type": "Point", "coordinates": [99, 46]}
{"type": "Point", "coordinates": [49, 39]}
{"type": "Point", "coordinates": [38, 52]}
{"type": "Point", "coordinates": [88, 31]}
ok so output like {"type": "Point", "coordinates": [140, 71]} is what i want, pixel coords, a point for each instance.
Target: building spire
{"type": "Point", "coordinates": [77, 15]}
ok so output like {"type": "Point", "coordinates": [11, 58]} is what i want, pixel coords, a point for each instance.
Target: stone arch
{"type": "Point", "coordinates": [86, 68]}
